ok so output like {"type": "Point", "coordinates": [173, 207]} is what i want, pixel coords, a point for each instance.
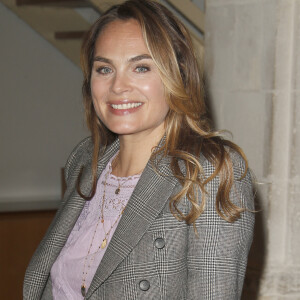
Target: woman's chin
{"type": "Point", "coordinates": [124, 131]}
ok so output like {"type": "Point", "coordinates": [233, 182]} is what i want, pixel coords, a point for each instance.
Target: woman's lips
{"type": "Point", "coordinates": [124, 108]}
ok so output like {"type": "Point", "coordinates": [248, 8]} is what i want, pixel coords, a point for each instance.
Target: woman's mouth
{"type": "Point", "coordinates": [126, 105]}
{"type": "Point", "coordinates": [121, 109]}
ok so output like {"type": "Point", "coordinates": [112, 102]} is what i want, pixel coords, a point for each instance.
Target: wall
{"type": "Point", "coordinates": [41, 116]}
{"type": "Point", "coordinates": [21, 233]}
{"type": "Point", "coordinates": [252, 66]}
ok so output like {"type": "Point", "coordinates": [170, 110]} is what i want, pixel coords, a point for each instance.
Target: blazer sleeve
{"type": "Point", "coordinates": [37, 273]}
{"type": "Point", "coordinates": [217, 256]}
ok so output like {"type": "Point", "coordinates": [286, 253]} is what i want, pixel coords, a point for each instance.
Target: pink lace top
{"type": "Point", "coordinates": [68, 270]}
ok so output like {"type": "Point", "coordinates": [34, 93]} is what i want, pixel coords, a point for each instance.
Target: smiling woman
{"type": "Point", "coordinates": [127, 90]}
{"type": "Point", "coordinates": [158, 205]}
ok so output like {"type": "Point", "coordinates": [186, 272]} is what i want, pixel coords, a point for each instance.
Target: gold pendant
{"type": "Point", "coordinates": [83, 290]}
{"type": "Point", "coordinates": [117, 191]}
{"type": "Point", "coordinates": [103, 245]}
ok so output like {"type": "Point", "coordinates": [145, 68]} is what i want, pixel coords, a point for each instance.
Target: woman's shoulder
{"type": "Point", "coordinates": [82, 146]}
{"type": "Point", "coordinates": [81, 152]}
{"type": "Point", "coordinates": [238, 162]}
{"type": "Point", "coordinates": [242, 179]}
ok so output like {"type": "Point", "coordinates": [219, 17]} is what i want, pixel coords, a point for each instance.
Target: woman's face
{"type": "Point", "coordinates": [127, 90]}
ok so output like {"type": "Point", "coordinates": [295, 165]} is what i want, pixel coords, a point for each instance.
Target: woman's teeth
{"type": "Point", "coordinates": [126, 105]}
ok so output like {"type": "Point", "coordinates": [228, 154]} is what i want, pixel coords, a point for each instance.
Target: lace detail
{"type": "Point", "coordinates": [115, 203]}
{"type": "Point", "coordinates": [132, 177]}
{"type": "Point", "coordinates": [114, 185]}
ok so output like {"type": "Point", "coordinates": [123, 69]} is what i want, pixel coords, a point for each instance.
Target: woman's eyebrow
{"type": "Point", "coordinates": [102, 59]}
{"type": "Point", "coordinates": [132, 59]}
{"type": "Point", "coordinates": [140, 57]}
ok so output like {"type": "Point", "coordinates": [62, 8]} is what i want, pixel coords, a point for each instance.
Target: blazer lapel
{"type": "Point", "coordinates": [75, 203]}
{"type": "Point", "coordinates": [147, 201]}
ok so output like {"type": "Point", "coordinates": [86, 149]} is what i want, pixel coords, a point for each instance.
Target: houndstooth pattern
{"type": "Point", "coordinates": [208, 266]}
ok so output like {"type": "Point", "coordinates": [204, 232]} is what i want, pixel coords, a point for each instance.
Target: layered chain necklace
{"type": "Point", "coordinates": [118, 189]}
{"type": "Point", "coordinates": [88, 260]}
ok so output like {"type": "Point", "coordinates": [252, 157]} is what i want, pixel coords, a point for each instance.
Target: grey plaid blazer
{"type": "Point", "coordinates": [152, 255]}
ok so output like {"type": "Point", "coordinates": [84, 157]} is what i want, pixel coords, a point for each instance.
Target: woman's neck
{"type": "Point", "coordinates": [134, 154]}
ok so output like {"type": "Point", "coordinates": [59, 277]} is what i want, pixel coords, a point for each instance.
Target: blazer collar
{"type": "Point", "coordinates": [149, 197]}
{"type": "Point", "coordinates": [86, 178]}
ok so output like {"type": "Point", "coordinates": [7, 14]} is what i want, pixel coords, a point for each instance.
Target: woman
{"type": "Point", "coordinates": [157, 204]}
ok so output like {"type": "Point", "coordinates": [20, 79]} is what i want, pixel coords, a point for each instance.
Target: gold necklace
{"type": "Point", "coordinates": [113, 165]}
{"type": "Point", "coordinates": [104, 241]}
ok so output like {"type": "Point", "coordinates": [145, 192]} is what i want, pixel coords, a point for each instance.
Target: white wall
{"type": "Point", "coordinates": [41, 115]}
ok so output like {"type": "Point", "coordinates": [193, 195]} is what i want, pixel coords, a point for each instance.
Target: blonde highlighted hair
{"type": "Point", "coordinates": [188, 131]}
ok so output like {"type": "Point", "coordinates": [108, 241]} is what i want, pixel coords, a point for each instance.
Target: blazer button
{"type": "Point", "coordinates": [144, 285]}
{"type": "Point", "coordinates": [159, 243]}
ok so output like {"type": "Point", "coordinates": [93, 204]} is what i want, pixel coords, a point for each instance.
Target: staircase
{"type": "Point", "coordinates": [63, 22]}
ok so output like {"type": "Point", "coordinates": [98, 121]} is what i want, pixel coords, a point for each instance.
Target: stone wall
{"type": "Point", "coordinates": [252, 63]}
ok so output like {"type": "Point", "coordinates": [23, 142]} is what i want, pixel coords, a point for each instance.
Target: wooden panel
{"type": "Point", "coordinates": [60, 3]}
{"type": "Point", "coordinates": [69, 35]}
{"type": "Point", "coordinates": [104, 5]}
{"type": "Point", "coordinates": [48, 20]}
{"type": "Point", "coordinates": [20, 234]}
{"type": "Point", "coordinates": [191, 11]}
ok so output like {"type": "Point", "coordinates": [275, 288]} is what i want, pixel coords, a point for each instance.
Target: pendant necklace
{"type": "Point", "coordinates": [88, 262]}
{"type": "Point", "coordinates": [113, 165]}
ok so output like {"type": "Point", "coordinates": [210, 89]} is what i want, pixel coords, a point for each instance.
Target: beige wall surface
{"type": "Point", "coordinates": [252, 64]}
{"type": "Point", "coordinates": [41, 115]}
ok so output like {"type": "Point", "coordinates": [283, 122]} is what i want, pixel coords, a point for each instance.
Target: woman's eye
{"type": "Point", "coordinates": [104, 70]}
{"type": "Point", "coordinates": [142, 69]}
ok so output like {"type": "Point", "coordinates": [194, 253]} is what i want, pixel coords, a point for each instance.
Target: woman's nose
{"type": "Point", "coordinates": [120, 83]}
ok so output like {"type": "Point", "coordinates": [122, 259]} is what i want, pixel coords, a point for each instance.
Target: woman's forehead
{"type": "Point", "coordinates": [121, 38]}
{"type": "Point", "coordinates": [121, 30]}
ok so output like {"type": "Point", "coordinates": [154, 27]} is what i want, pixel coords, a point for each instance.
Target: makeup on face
{"type": "Point", "coordinates": [127, 90]}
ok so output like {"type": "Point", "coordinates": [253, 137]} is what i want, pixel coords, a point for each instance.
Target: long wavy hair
{"type": "Point", "coordinates": [187, 129]}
